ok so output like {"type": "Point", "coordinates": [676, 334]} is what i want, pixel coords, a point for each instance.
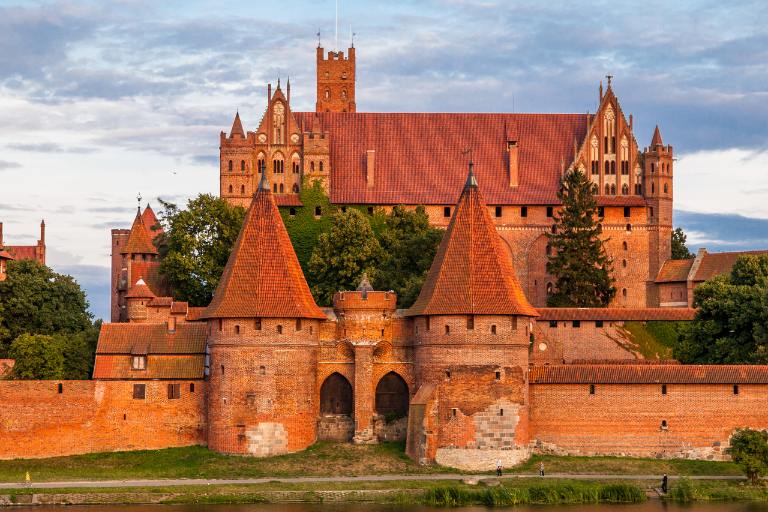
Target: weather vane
{"type": "Point", "coordinates": [138, 199]}
{"type": "Point", "coordinates": [318, 38]}
{"type": "Point", "coordinates": [609, 77]}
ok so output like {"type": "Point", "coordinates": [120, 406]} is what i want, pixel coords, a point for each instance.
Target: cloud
{"type": "Point", "coordinates": [5, 164]}
{"type": "Point", "coordinates": [49, 147]}
{"type": "Point", "coordinates": [723, 231]}
{"type": "Point", "coordinates": [96, 282]}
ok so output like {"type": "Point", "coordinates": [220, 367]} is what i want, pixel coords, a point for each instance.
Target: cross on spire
{"type": "Point", "coordinates": [138, 200]}
{"type": "Point", "coordinates": [609, 77]}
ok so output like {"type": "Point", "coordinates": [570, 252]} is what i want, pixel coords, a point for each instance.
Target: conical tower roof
{"type": "Point", "coordinates": [140, 239]}
{"type": "Point", "coordinates": [657, 137]}
{"type": "Point", "coordinates": [263, 277]}
{"type": "Point", "coordinates": [140, 290]}
{"type": "Point", "coordinates": [150, 220]}
{"type": "Point", "coordinates": [472, 273]}
{"type": "Point", "coordinates": [237, 127]}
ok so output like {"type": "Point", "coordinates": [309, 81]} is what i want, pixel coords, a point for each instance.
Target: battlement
{"type": "Point", "coordinates": [334, 56]}
{"type": "Point", "coordinates": [365, 300]}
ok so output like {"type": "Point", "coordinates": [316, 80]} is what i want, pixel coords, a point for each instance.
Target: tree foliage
{"type": "Point", "coordinates": [578, 259]}
{"type": "Point", "coordinates": [409, 245]}
{"type": "Point", "coordinates": [679, 249]}
{"type": "Point", "coordinates": [196, 244]}
{"type": "Point", "coordinates": [38, 357]}
{"type": "Point", "coordinates": [749, 449]}
{"type": "Point", "coordinates": [731, 324]}
{"type": "Point", "coordinates": [36, 300]}
{"type": "Point", "coordinates": [304, 227]}
{"type": "Point", "coordinates": [342, 254]}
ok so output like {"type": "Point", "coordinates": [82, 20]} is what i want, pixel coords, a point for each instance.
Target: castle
{"type": "Point", "coordinates": [473, 372]}
{"type": "Point", "coordinates": [21, 252]}
{"type": "Point", "coordinates": [387, 159]}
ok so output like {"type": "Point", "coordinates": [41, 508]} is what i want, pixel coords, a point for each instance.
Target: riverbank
{"type": "Point", "coordinates": [441, 493]}
{"type": "Point", "coordinates": [320, 460]}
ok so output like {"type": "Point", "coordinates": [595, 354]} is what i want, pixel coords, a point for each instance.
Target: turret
{"type": "Point", "coordinates": [263, 342]}
{"type": "Point", "coordinates": [137, 299]}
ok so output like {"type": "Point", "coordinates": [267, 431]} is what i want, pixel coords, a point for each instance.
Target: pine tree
{"type": "Point", "coordinates": [679, 249]}
{"type": "Point", "coordinates": [577, 257]}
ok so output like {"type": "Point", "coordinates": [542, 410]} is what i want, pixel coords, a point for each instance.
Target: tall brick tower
{"type": "Point", "coordinates": [263, 342]}
{"type": "Point", "coordinates": [335, 81]}
{"type": "Point", "coordinates": [471, 326]}
{"type": "Point", "coordinates": [658, 164]}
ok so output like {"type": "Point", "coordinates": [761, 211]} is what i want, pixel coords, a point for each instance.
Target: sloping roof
{"type": "Point", "coordinates": [179, 307]}
{"type": "Point", "coordinates": [140, 239]}
{"type": "Point", "coordinates": [237, 127]}
{"type": "Point", "coordinates": [161, 302]}
{"type": "Point", "coordinates": [262, 277]}
{"type": "Point", "coordinates": [419, 155]}
{"type": "Point", "coordinates": [288, 200]}
{"type": "Point", "coordinates": [673, 271]}
{"type": "Point", "coordinates": [5, 255]}
{"type": "Point", "coordinates": [150, 221]}
{"type": "Point", "coordinates": [149, 271]}
{"type": "Point", "coordinates": [649, 374]}
{"type": "Point", "coordinates": [168, 367]}
{"type": "Point", "coordinates": [617, 314]}
{"type": "Point", "coordinates": [139, 290]}
{"type": "Point", "coordinates": [22, 252]}
{"type": "Point", "coordinates": [472, 272]}
{"type": "Point", "coordinates": [716, 263]}
{"type": "Point", "coordinates": [195, 313]}
{"type": "Point", "coordinates": [127, 338]}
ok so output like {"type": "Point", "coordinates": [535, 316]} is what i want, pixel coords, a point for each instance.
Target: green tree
{"type": "Point", "coordinates": [36, 300]}
{"type": "Point", "coordinates": [409, 245]}
{"type": "Point", "coordinates": [342, 254]}
{"type": "Point", "coordinates": [749, 449]}
{"type": "Point", "coordinates": [79, 352]}
{"type": "Point", "coordinates": [577, 258]}
{"type": "Point", "coordinates": [195, 245]}
{"type": "Point", "coordinates": [679, 249]}
{"type": "Point", "coordinates": [38, 357]}
{"type": "Point", "coordinates": [731, 323]}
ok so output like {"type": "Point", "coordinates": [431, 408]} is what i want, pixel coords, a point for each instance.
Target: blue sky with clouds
{"type": "Point", "coordinates": [102, 100]}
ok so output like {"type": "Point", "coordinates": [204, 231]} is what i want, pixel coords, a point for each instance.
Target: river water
{"type": "Point", "coordinates": [649, 506]}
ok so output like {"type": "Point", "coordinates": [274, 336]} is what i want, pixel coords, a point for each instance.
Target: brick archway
{"type": "Point", "coordinates": [392, 395]}
{"type": "Point", "coordinates": [336, 395]}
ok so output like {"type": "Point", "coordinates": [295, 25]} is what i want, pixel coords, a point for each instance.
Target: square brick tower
{"type": "Point", "coordinates": [335, 81]}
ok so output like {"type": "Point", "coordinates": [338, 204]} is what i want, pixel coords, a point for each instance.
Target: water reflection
{"type": "Point", "coordinates": [650, 506]}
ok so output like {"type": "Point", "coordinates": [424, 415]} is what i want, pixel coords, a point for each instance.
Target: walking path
{"type": "Point", "coordinates": [330, 479]}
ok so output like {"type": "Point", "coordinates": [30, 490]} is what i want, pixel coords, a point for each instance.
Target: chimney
{"type": "Point", "coordinates": [370, 167]}
{"type": "Point", "coordinates": [42, 233]}
{"type": "Point", "coordinates": [171, 324]}
{"type": "Point", "coordinates": [514, 165]}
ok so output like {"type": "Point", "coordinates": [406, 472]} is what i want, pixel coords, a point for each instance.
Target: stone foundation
{"type": "Point", "coordinates": [394, 431]}
{"type": "Point", "coordinates": [469, 459]}
{"type": "Point", "coordinates": [335, 427]}
{"type": "Point", "coordinates": [267, 439]}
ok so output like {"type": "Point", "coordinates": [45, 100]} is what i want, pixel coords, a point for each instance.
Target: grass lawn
{"type": "Point", "coordinates": [321, 459]}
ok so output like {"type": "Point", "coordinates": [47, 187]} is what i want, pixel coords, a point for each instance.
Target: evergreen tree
{"type": "Point", "coordinates": [679, 249]}
{"type": "Point", "coordinates": [577, 258]}
{"type": "Point", "coordinates": [342, 254]}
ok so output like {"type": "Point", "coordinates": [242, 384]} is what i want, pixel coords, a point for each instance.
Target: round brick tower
{"type": "Point", "coordinates": [263, 342]}
{"type": "Point", "coordinates": [137, 298]}
{"type": "Point", "coordinates": [471, 326]}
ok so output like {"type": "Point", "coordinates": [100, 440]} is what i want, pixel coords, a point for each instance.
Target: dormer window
{"type": "Point", "coordinates": [139, 363]}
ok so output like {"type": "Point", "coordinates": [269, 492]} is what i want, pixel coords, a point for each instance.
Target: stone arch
{"type": "Point", "coordinates": [336, 395]}
{"type": "Point", "coordinates": [392, 395]}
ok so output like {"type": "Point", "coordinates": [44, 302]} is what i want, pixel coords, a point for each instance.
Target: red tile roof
{"type": "Point", "coordinates": [161, 302]}
{"type": "Point", "coordinates": [140, 290]}
{"type": "Point", "coordinates": [620, 201]}
{"type": "Point", "coordinates": [140, 239]}
{"type": "Point", "coordinates": [5, 255]}
{"type": "Point", "coordinates": [149, 271]}
{"type": "Point", "coordinates": [237, 127]}
{"type": "Point", "coordinates": [108, 367]}
{"type": "Point", "coordinates": [716, 263]}
{"type": "Point", "coordinates": [150, 222]}
{"type": "Point", "coordinates": [195, 313]}
{"type": "Point", "coordinates": [617, 314]}
{"type": "Point", "coordinates": [649, 374]}
{"type": "Point", "coordinates": [262, 277]}
{"type": "Point", "coordinates": [625, 361]}
{"type": "Point", "coordinates": [674, 271]}
{"type": "Point", "coordinates": [656, 137]}
{"type": "Point", "coordinates": [288, 200]}
{"type": "Point", "coordinates": [22, 252]}
{"type": "Point", "coordinates": [472, 272]}
{"type": "Point", "coordinates": [179, 307]}
{"type": "Point", "coordinates": [127, 338]}
{"type": "Point", "coordinates": [419, 155]}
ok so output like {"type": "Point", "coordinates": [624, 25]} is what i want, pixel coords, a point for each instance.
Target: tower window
{"type": "Point", "coordinates": [601, 211]}
{"type": "Point", "coordinates": [553, 323]}
{"type": "Point", "coordinates": [493, 329]}
{"type": "Point", "coordinates": [498, 211]}
{"type": "Point", "coordinates": [591, 389]}
{"type": "Point", "coordinates": [498, 375]}
{"type": "Point", "coordinates": [735, 389]}
{"type": "Point", "coordinates": [257, 324]}
{"type": "Point", "coordinates": [427, 323]}
{"type": "Point", "coordinates": [230, 166]}
{"type": "Point", "coordinates": [666, 188]}
{"type": "Point", "coordinates": [629, 227]}
{"type": "Point", "coordinates": [576, 324]}
{"type": "Point", "coordinates": [627, 211]}
{"type": "Point", "coordinates": [230, 189]}
{"type": "Point", "coordinates": [237, 329]}
{"type": "Point", "coordinates": [550, 211]}
{"type": "Point", "coordinates": [220, 324]}
{"type": "Point", "coordinates": [523, 211]}
{"type": "Point", "coordinates": [470, 322]}
{"type": "Point", "coordinates": [624, 245]}
{"type": "Point", "coordinates": [242, 165]}
{"type": "Point", "coordinates": [446, 211]}
{"type": "Point", "coordinates": [279, 329]}
{"type": "Point", "coordinates": [447, 329]}
{"type": "Point", "coordinates": [598, 323]}
{"type": "Point", "coordinates": [298, 324]}
{"type": "Point", "coordinates": [663, 389]}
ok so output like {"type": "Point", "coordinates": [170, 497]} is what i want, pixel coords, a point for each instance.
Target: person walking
{"type": "Point", "coordinates": [498, 467]}
{"type": "Point", "coordinates": [541, 468]}
{"type": "Point", "coordinates": [664, 483]}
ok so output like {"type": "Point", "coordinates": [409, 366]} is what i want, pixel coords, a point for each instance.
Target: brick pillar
{"type": "Point", "coordinates": [364, 396]}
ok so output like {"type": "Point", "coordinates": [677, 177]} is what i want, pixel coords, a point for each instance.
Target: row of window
{"type": "Point", "coordinates": [663, 166]}
{"type": "Point", "coordinates": [663, 389]}
{"type": "Point", "coordinates": [470, 325]}
{"type": "Point", "coordinates": [257, 325]}
{"type": "Point", "coordinates": [278, 166]}
{"type": "Point", "coordinates": [610, 167]}
{"type": "Point", "coordinates": [174, 391]}
{"type": "Point", "coordinates": [276, 188]}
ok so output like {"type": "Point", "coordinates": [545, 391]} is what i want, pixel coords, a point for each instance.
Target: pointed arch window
{"type": "Point", "coordinates": [281, 188]}
{"type": "Point", "coordinates": [613, 189]}
{"type": "Point", "coordinates": [230, 166]}
{"type": "Point", "coordinates": [607, 168]}
{"type": "Point", "coordinates": [311, 166]}
{"type": "Point", "coordinates": [607, 189]}
{"type": "Point", "coordinates": [613, 167]}
{"type": "Point", "coordinates": [242, 189]}
{"type": "Point", "coordinates": [321, 166]}
{"type": "Point", "coordinates": [666, 188]}
{"type": "Point", "coordinates": [242, 165]}
{"type": "Point", "coordinates": [261, 163]}
{"type": "Point", "coordinates": [230, 189]}
{"type": "Point", "coordinates": [594, 156]}
{"type": "Point", "coordinates": [625, 190]}
{"type": "Point", "coordinates": [295, 188]}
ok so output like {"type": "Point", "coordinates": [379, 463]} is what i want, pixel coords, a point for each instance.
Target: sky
{"type": "Point", "coordinates": [103, 101]}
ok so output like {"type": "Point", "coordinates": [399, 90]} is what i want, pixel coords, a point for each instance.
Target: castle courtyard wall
{"type": "Point", "coordinates": [41, 419]}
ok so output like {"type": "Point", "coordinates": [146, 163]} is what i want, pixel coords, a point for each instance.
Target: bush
{"type": "Point", "coordinates": [749, 449]}
{"type": "Point", "coordinates": [682, 492]}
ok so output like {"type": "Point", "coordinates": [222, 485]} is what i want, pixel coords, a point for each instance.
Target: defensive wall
{"type": "Point", "coordinates": [54, 418]}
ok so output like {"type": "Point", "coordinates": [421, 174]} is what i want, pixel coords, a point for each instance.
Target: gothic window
{"type": "Point", "coordinates": [295, 167]}
{"type": "Point", "coordinates": [638, 189]}
{"type": "Point", "coordinates": [278, 165]}
{"type": "Point", "coordinates": [624, 156]}
{"type": "Point", "coordinates": [261, 163]}
{"type": "Point", "coordinates": [327, 94]}
{"type": "Point", "coordinates": [625, 190]}
{"type": "Point", "coordinates": [607, 189]}
{"type": "Point", "coordinates": [274, 188]}
{"type": "Point", "coordinates": [295, 188]}
{"type": "Point", "coordinates": [613, 167]}
{"type": "Point", "coordinates": [593, 154]}
{"type": "Point", "coordinates": [607, 168]}
{"type": "Point", "coordinates": [230, 189]}
{"type": "Point", "coordinates": [609, 130]}
{"type": "Point", "coordinates": [242, 189]}
{"type": "Point", "coordinates": [230, 166]}
{"type": "Point", "coordinates": [278, 117]}
{"type": "Point", "coordinates": [666, 188]}
{"type": "Point", "coordinates": [242, 165]}
{"type": "Point", "coordinates": [653, 188]}
{"type": "Point", "coordinates": [625, 245]}
{"type": "Point", "coordinates": [321, 166]}
{"type": "Point", "coordinates": [311, 166]}
{"type": "Point", "coordinates": [336, 395]}
{"type": "Point", "coordinates": [281, 188]}
{"type": "Point", "coordinates": [613, 189]}
{"type": "Point", "coordinates": [653, 167]}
